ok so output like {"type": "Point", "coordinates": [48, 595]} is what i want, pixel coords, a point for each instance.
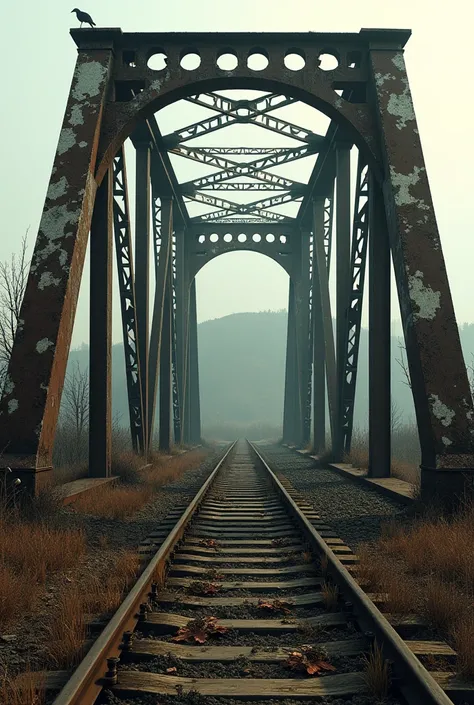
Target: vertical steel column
{"type": "Point", "coordinates": [182, 307]}
{"type": "Point", "coordinates": [162, 276]}
{"type": "Point", "coordinates": [360, 236]}
{"type": "Point", "coordinates": [126, 280]}
{"type": "Point", "coordinates": [100, 340]}
{"type": "Point", "coordinates": [142, 269]}
{"type": "Point", "coordinates": [303, 341]}
{"type": "Point", "coordinates": [165, 369]}
{"type": "Point", "coordinates": [176, 403]}
{"type": "Point", "coordinates": [322, 278]}
{"type": "Point", "coordinates": [175, 383]}
{"type": "Point", "coordinates": [379, 336]}
{"type": "Point", "coordinates": [343, 249]}
{"type": "Point", "coordinates": [319, 384]}
{"type": "Point", "coordinates": [290, 403]}
{"type": "Point", "coordinates": [194, 401]}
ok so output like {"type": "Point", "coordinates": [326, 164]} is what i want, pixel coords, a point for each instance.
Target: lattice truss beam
{"type": "Point", "coordinates": [250, 175]}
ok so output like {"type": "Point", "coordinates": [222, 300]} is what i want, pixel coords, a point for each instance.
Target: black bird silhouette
{"type": "Point", "coordinates": [83, 17]}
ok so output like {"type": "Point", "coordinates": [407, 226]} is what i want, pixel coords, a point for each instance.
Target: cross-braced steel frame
{"type": "Point", "coordinates": [114, 95]}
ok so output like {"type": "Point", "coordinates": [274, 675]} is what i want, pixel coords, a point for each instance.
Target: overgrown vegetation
{"type": "Point", "coordinates": [137, 484]}
{"type": "Point", "coordinates": [405, 451]}
{"type": "Point", "coordinates": [30, 552]}
{"type": "Point", "coordinates": [94, 596]}
{"type": "Point", "coordinates": [427, 568]}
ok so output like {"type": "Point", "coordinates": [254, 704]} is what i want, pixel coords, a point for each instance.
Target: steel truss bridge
{"type": "Point", "coordinates": [115, 93]}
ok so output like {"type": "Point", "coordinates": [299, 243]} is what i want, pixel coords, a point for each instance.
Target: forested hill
{"type": "Point", "coordinates": [242, 369]}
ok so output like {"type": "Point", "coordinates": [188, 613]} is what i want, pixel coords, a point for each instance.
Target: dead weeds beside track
{"type": "Point", "coordinates": [428, 567]}
{"type": "Point", "coordinates": [275, 625]}
{"type": "Point", "coordinates": [54, 578]}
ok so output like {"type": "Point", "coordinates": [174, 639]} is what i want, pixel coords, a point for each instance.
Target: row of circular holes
{"type": "Point", "coordinates": [242, 238]}
{"type": "Point", "coordinates": [255, 62]}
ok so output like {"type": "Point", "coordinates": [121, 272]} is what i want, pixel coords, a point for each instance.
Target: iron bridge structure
{"type": "Point", "coordinates": [121, 80]}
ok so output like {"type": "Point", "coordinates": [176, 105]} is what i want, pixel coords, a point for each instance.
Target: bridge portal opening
{"type": "Point", "coordinates": [242, 300]}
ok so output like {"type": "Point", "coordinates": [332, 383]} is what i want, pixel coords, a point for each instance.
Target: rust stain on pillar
{"type": "Point", "coordinates": [29, 409]}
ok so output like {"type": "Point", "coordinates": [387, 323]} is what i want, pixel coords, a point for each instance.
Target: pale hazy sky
{"type": "Point", "coordinates": [38, 61]}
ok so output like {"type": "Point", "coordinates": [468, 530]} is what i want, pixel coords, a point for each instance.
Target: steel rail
{"type": "Point", "coordinates": [421, 686]}
{"type": "Point", "coordinates": [87, 681]}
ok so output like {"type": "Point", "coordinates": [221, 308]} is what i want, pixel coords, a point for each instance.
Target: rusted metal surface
{"type": "Point", "coordinates": [343, 276]}
{"type": "Point", "coordinates": [422, 686]}
{"type": "Point", "coordinates": [142, 270]}
{"type": "Point", "coordinates": [100, 335]}
{"type": "Point", "coordinates": [87, 680]}
{"type": "Point", "coordinates": [380, 401]}
{"type": "Point", "coordinates": [126, 278]}
{"type": "Point", "coordinates": [438, 375]}
{"type": "Point", "coordinates": [193, 367]}
{"type": "Point", "coordinates": [322, 281]}
{"type": "Point", "coordinates": [317, 87]}
{"type": "Point", "coordinates": [29, 409]}
{"type": "Point", "coordinates": [161, 288]}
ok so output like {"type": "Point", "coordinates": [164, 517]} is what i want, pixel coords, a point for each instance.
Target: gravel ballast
{"type": "Point", "coordinates": [355, 513]}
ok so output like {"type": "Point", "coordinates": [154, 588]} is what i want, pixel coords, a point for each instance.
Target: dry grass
{"type": "Point", "coordinates": [117, 502]}
{"type": "Point", "coordinates": [428, 567]}
{"type": "Point", "coordinates": [37, 550]}
{"type": "Point", "coordinates": [163, 471]}
{"type": "Point", "coordinates": [29, 554]}
{"type": "Point", "coordinates": [359, 455]}
{"type": "Point", "coordinates": [376, 673]}
{"type": "Point", "coordinates": [330, 595]}
{"type": "Point", "coordinates": [95, 596]}
{"type": "Point", "coordinates": [26, 689]}
{"type": "Point", "coordinates": [16, 595]}
{"type": "Point", "coordinates": [405, 453]}
{"type": "Point", "coordinates": [463, 642]}
{"type": "Point", "coordinates": [137, 486]}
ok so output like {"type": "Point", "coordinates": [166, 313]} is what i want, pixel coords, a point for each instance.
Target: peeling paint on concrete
{"type": "Point", "coordinates": [427, 300]}
{"type": "Point", "coordinates": [9, 385]}
{"type": "Point", "coordinates": [403, 182]}
{"type": "Point", "coordinates": [401, 106]}
{"type": "Point", "coordinates": [82, 144]}
{"type": "Point", "coordinates": [399, 62]}
{"type": "Point", "coordinates": [43, 345]}
{"type": "Point", "coordinates": [63, 257]}
{"type": "Point", "coordinates": [442, 412]}
{"type": "Point", "coordinates": [77, 118]}
{"type": "Point", "coordinates": [381, 78]}
{"type": "Point", "coordinates": [446, 441]}
{"type": "Point", "coordinates": [67, 139]}
{"type": "Point", "coordinates": [47, 279]}
{"type": "Point", "coordinates": [58, 189]}
{"type": "Point", "coordinates": [89, 77]}
{"type": "Point", "coordinates": [12, 405]}
{"type": "Point", "coordinates": [53, 226]}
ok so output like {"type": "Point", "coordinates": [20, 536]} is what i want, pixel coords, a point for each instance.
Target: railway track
{"type": "Point", "coordinates": [249, 594]}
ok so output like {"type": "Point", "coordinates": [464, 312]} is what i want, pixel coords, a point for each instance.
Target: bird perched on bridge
{"type": "Point", "coordinates": [83, 17]}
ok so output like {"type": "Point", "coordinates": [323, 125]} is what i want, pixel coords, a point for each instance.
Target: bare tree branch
{"type": "Point", "coordinates": [404, 364]}
{"type": "Point", "coordinates": [75, 401]}
{"type": "Point", "coordinates": [13, 278]}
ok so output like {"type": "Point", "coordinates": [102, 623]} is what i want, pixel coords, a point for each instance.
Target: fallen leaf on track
{"type": "Point", "coordinates": [199, 630]}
